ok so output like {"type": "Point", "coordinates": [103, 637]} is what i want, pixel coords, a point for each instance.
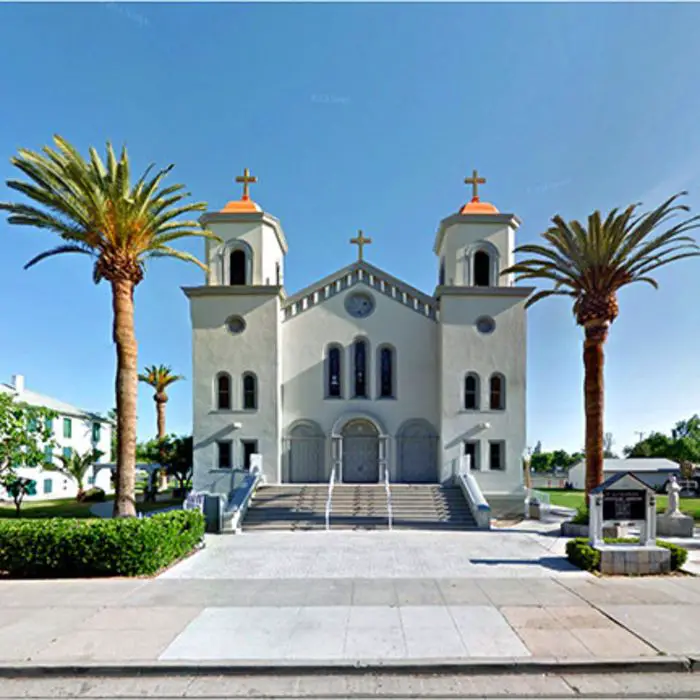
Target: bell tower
{"type": "Point", "coordinates": [476, 244]}
{"type": "Point", "coordinates": [253, 248]}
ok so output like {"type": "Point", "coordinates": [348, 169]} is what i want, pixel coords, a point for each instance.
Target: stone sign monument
{"type": "Point", "coordinates": [625, 499]}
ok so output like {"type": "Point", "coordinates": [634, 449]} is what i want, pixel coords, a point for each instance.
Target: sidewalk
{"type": "Point", "coordinates": [342, 598]}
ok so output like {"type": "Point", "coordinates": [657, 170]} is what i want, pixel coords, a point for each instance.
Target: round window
{"type": "Point", "coordinates": [485, 324]}
{"type": "Point", "coordinates": [235, 324]}
{"type": "Point", "coordinates": [359, 304]}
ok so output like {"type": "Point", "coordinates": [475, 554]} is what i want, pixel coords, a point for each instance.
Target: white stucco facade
{"type": "Point", "coordinates": [73, 431]}
{"type": "Point", "coordinates": [360, 371]}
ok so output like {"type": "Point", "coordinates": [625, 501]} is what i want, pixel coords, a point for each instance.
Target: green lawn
{"type": "Point", "coordinates": [70, 508]}
{"type": "Point", "coordinates": [574, 499]}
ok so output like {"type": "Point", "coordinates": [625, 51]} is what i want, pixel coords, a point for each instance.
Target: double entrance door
{"type": "Point", "coordinates": [360, 452]}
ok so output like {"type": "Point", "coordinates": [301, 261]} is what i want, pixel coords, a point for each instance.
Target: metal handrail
{"type": "Point", "coordinates": [329, 500]}
{"type": "Point", "coordinates": [389, 510]}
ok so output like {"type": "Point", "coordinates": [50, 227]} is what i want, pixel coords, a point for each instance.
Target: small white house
{"type": "Point", "coordinates": [653, 471]}
{"type": "Point", "coordinates": [74, 430]}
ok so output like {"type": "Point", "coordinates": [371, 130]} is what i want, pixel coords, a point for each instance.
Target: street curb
{"type": "Point", "coordinates": [520, 666]}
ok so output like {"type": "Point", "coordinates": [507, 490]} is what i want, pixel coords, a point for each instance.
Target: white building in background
{"type": "Point", "coordinates": [653, 471]}
{"type": "Point", "coordinates": [74, 430]}
{"type": "Point", "coordinates": [361, 371]}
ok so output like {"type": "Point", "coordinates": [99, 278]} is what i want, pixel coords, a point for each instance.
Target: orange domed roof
{"type": "Point", "coordinates": [241, 206]}
{"type": "Point", "coordinates": [478, 207]}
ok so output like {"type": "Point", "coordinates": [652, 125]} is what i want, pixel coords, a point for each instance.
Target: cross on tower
{"type": "Point", "coordinates": [360, 241]}
{"type": "Point", "coordinates": [475, 181]}
{"type": "Point", "coordinates": [246, 179]}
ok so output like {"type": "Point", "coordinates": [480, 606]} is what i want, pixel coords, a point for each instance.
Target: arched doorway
{"type": "Point", "coordinates": [417, 448]}
{"type": "Point", "coordinates": [306, 454]}
{"type": "Point", "coordinates": [360, 452]}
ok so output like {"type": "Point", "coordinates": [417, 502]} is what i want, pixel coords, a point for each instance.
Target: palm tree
{"type": "Point", "coordinates": [75, 467]}
{"type": "Point", "coordinates": [591, 264]}
{"type": "Point", "coordinates": [160, 378]}
{"type": "Point", "coordinates": [93, 207]}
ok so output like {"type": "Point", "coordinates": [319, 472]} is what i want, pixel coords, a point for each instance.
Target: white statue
{"type": "Point", "coordinates": [673, 490]}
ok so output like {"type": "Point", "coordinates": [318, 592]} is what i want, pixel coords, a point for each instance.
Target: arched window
{"type": "Point", "coordinates": [359, 351]}
{"type": "Point", "coordinates": [250, 391]}
{"type": "Point", "coordinates": [497, 392]}
{"type": "Point", "coordinates": [223, 392]}
{"type": "Point", "coordinates": [386, 373]}
{"type": "Point", "coordinates": [482, 269]}
{"type": "Point", "coordinates": [238, 263]}
{"type": "Point", "coordinates": [471, 392]}
{"type": "Point", "coordinates": [334, 382]}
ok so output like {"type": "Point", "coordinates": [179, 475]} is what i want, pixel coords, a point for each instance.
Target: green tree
{"type": "Point", "coordinates": [682, 445]}
{"type": "Point", "coordinates": [541, 461]}
{"type": "Point", "coordinates": [95, 210]}
{"type": "Point", "coordinates": [175, 455]}
{"type": "Point", "coordinates": [25, 432]}
{"type": "Point", "coordinates": [75, 467]}
{"type": "Point", "coordinates": [18, 487]}
{"type": "Point", "coordinates": [590, 263]}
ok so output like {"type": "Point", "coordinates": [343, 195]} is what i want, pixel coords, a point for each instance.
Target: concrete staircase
{"type": "Point", "coordinates": [358, 507]}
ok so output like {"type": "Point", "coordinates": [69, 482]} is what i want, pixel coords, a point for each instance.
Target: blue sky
{"type": "Point", "coordinates": [363, 116]}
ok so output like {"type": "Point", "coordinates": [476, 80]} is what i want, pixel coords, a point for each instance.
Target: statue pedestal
{"type": "Point", "coordinates": [674, 525]}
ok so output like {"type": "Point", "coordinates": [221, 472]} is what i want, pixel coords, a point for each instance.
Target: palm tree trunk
{"type": "Point", "coordinates": [594, 392]}
{"type": "Point", "coordinates": [160, 418]}
{"type": "Point", "coordinates": [126, 391]}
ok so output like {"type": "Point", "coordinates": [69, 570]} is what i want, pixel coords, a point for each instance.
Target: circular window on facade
{"type": "Point", "coordinates": [485, 324]}
{"type": "Point", "coordinates": [235, 324]}
{"type": "Point", "coordinates": [359, 304]}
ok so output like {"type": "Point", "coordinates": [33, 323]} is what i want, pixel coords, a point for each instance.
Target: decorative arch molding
{"type": "Point", "coordinates": [413, 425]}
{"type": "Point", "coordinates": [494, 262]}
{"type": "Point", "coordinates": [342, 421]}
{"type": "Point", "coordinates": [231, 247]}
{"type": "Point", "coordinates": [311, 427]}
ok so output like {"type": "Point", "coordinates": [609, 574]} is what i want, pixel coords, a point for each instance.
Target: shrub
{"type": "Point", "coordinates": [67, 548]}
{"type": "Point", "coordinates": [94, 495]}
{"type": "Point", "coordinates": [580, 553]}
{"type": "Point", "coordinates": [678, 554]}
{"type": "Point", "coordinates": [581, 517]}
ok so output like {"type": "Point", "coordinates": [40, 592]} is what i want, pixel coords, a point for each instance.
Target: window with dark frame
{"type": "Point", "coordinates": [223, 392]}
{"type": "Point", "coordinates": [360, 353]}
{"type": "Point", "coordinates": [497, 455]}
{"type": "Point", "coordinates": [334, 388]}
{"type": "Point", "coordinates": [386, 365]}
{"type": "Point", "coordinates": [250, 392]}
{"type": "Point", "coordinates": [471, 450]}
{"type": "Point", "coordinates": [250, 447]}
{"type": "Point", "coordinates": [496, 393]}
{"type": "Point", "coordinates": [237, 261]}
{"type": "Point", "coordinates": [471, 392]}
{"type": "Point", "coordinates": [224, 454]}
{"type": "Point", "coordinates": [482, 269]}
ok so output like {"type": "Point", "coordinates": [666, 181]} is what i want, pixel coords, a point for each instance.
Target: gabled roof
{"type": "Point", "coordinates": [629, 479]}
{"type": "Point", "coordinates": [634, 464]}
{"type": "Point", "coordinates": [361, 272]}
{"type": "Point", "coordinates": [61, 407]}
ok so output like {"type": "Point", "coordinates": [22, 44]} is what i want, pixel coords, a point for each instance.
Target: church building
{"type": "Point", "coordinates": [360, 372]}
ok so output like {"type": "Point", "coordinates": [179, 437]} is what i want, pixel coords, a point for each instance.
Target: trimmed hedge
{"type": "Point", "coordinates": [580, 553]}
{"type": "Point", "coordinates": [69, 548]}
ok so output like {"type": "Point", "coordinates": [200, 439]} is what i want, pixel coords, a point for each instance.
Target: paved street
{"type": "Point", "coordinates": [347, 597]}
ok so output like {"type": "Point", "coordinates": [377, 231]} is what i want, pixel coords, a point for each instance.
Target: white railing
{"type": "Point", "coordinates": [329, 500]}
{"type": "Point", "coordinates": [478, 505]}
{"type": "Point", "coordinates": [541, 496]}
{"type": "Point", "coordinates": [387, 488]}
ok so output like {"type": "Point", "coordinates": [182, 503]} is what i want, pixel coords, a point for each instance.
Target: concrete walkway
{"type": "Point", "coordinates": [343, 598]}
